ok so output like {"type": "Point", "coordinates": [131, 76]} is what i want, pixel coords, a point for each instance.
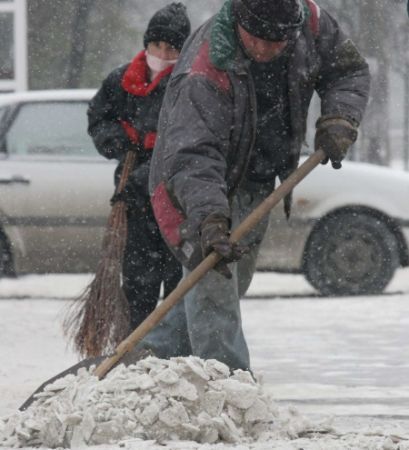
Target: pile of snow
{"type": "Point", "coordinates": [162, 400]}
{"type": "Point", "coordinates": [179, 400]}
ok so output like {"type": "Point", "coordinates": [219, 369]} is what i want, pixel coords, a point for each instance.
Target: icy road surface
{"type": "Point", "coordinates": [344, 356]}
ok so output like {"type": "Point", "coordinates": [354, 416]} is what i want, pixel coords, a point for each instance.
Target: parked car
{"type": "Point", "coordinates": [54, 186]}
{"type": "Point", "coordinates": [348, 232]}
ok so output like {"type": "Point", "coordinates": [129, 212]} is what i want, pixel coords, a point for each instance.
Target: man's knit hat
{"type": "Point", "coordinates": [170, 24]}
{"type": "Point", "coordinates": [271, 20]}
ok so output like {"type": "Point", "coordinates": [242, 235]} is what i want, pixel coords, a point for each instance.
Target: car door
{"type": "Point", "coordinates": [55, 188]}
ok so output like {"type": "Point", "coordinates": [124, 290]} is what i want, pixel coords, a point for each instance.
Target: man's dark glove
{"type": "Point", "coordinates": [335, 135]}
{"type": "Point", "coordinates": [215, 232]}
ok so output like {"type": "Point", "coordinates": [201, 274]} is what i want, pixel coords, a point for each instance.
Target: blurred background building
{"type": "Point", "coordinates": [13, 45]}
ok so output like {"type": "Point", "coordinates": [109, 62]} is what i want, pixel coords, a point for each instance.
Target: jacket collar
{"type": "Point", "coordinates": [223, 40]}
{"type": "Point", "coordinates": [136, 77]}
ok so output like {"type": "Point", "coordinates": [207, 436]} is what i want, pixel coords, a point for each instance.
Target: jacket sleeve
{"type": "Point", "coordinates": [344, 81]}
{"type": "Point", "coordinates": [104, 115]}
{"type": "Point", "coordinates": [196, 145]}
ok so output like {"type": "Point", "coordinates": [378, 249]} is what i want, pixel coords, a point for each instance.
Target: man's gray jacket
{"type": "Point", "coordinates": [208, 120]}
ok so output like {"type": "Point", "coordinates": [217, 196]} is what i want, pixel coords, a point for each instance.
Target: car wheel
{"type": "Point", "coordinates": [5, 258]}
{"type": "Point", "coordinates": [351, 253]}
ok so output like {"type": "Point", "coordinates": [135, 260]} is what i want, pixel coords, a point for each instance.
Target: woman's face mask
{"type": "Point", "coordinates": [158, 64]}
{"type": "Point", "coordinates": [160, 55]}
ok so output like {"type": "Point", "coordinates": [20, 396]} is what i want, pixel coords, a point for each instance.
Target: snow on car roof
{"type": "Point", "coordinates": [37, 96]}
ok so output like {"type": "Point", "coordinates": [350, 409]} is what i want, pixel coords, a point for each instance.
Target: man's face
{"type": "Point", "coordinates": [258, 49]}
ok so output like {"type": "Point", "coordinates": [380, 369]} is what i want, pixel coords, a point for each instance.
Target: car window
{"type": "Point", "coordinates": [50, 128]}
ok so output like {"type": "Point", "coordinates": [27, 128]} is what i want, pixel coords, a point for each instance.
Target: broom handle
{"type": "Point", "coordinates": [208, 263]}
{"type": "Point", "coordinates": [129, 164]}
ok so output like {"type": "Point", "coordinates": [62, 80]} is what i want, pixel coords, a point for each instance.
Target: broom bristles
{"type": "Point", "coordinates": [98, 320]}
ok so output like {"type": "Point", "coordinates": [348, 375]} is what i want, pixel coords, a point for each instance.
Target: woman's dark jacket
{"type": "Point", "coordinates": [124, 115]}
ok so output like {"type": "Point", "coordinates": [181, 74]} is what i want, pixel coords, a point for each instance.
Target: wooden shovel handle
{"type": "Point", "coordinates": [207, 264]}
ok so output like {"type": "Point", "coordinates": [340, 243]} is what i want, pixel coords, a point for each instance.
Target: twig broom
{"type": "Point", "coordinates": [98, 320]}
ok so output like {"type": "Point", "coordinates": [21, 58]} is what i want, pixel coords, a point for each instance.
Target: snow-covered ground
{"type": "Point", "coordinates": [342, 357]}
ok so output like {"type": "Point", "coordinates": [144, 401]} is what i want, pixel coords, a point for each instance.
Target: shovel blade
{"type": "Point", "coordinates": [129, 358]}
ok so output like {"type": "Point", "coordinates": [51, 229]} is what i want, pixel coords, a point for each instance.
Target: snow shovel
{"type": "Point", "coordinates": [125, 352]}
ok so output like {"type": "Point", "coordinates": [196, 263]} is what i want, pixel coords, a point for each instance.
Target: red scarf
{"type": "Point", "coordinates": [136, 78]}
